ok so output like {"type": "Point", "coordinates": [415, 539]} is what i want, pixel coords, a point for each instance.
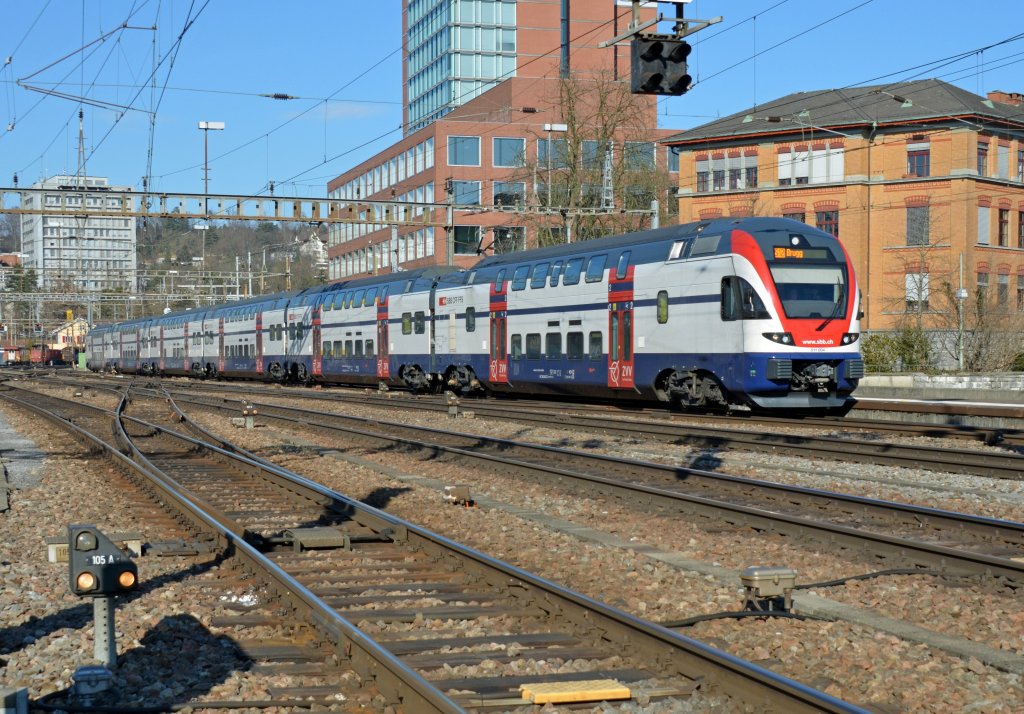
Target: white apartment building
{"type": "Point", "coordinates": [79, 253]}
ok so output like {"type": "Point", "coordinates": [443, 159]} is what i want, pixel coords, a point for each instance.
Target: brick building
{"type": "Point", "coordinates": [916, 178]}
{"type": "Point", "coordinates": [484, 117]}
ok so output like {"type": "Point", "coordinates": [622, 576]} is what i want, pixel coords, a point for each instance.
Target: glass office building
{"type": "Point", "coordinates": [457, 49]}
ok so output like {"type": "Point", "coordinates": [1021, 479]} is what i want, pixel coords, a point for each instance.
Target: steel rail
{"type": "Point", "coordinates": [720, 668]}
{"type": "Point", "coordinates": [922, 554]}
{"type": "Point", "coordinates": [364, 654]}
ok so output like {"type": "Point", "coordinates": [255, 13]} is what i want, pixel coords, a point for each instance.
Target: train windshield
{"type": "Point", "coordinates": [811, 290]}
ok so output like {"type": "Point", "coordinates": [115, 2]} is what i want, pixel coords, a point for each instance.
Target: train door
{"type": "Point", "coordinates": [318, 355]}
{"type": "Point", "coordinates": [161, 348]}
{"type": "Point", "coordinates": [220, 345]}
{"type": "Point", "coordinates": [187, 365]}
{"type": "Point", "coordinates": [383, 346]}
{"type": "Point", "coordinates": [259, 342]}
{"type": "Point", "coordinates": [499, 332]}
{"type": "Point", "coordinates": [620, 324]}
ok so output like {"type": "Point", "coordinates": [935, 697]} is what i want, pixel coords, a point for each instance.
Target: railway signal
{"type": "Point", "coordinates": [659, 65]}
{"type": "Point", "coordinates": [97, 567]}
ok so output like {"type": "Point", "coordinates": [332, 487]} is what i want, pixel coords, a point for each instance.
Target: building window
{"type": "Point", "coordinates": [702, 177]}
{"type": "Point", "coordinates": [509, 193]}
{"type": "Point", "coordinates": [1020, 293]}
{"type": "Point", "coordinates": [1020, 229]}
{"type": "Point", "coordinates": [982, 158]}
{"type": "Point", "coordinates": [718, 180]}
{"type": "Point", "coordinates": [801, 216]}
{"type": "Point", "coordinates": [1020, 164]}
{"type": "Point", "coordinates": [594, 153]}
{"type": "Point", "coordinates": [463, 151]}
{"type": "Point", "coordinates": [735, 178]}
{"type": "Point", "coordinates": [639, 156]}
{"type": "Point", "coordinates": [982, 289]}
{"type": "Point", "coordinates": [917, 225]}
{"type": "Point", "coordinates": [918, 161]}
{"type": "Point", "coordinates": [828, 221]}
{"type": "Point", "coordinates": [983, 225]}
{"type": "Point", "coordinates": [1004, 227]}
{"type": "Point", "coordinates": [509, 152]}
{"type": "Point", "coordinates": [552, 153]}
{"type": "Point", "coordinates": [750, 172]}
{"type": "Point", "coordinates": [1003, 291]}
{"type": "Point", "coordinates": [509, 240]}
{"type": "Point", "coordinates": [466, 193]}
{"type": "Point", "coordinates": [917, 287]}
{"type": "Point", "coordinates": [672, 159]}
{"type": "Point", "coordinates": [467, 238]}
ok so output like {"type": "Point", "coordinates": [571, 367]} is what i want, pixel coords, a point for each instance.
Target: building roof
{"type": "Point", "coordinates": [917, 102]}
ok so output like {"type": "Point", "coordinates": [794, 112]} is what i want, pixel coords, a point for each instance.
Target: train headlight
{"type": "Point", "coordinates": [783, 338]}
{"type": "Point", "coordinates": [850, 337]}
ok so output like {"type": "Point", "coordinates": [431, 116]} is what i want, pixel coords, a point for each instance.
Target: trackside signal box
{"type": "Point", "coordinates": [97, 567]}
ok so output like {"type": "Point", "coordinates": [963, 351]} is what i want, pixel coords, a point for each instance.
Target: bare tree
{"type": "Point", "coordinates": [600, 174]}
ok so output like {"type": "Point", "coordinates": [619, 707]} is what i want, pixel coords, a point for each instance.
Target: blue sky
{"type": "Point", "coordinates": [342, 59]}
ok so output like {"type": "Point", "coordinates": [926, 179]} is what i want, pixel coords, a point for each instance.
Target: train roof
{"type": "Point", "coordinates": [640, 238]}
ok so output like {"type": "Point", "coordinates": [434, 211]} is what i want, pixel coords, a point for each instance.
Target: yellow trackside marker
{"type": "Point", "coordinates": [591, 690]}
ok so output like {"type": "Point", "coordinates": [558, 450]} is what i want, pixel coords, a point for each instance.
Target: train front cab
{"type": "Point", "coordinates": [801, 331]}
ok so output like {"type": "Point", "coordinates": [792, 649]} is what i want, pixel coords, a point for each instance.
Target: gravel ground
{"type": "Point", "coordinates": [46, 634]}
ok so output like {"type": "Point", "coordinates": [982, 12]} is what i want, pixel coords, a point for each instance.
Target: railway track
{"type": "Point", "coordinates": [844, 448]}
{"type": "Point", "coordinates": [889, 532]}
{"type": "Point", "coordinates": [1005, 436]}
{"type": "Point", "coordinates": [337, 562]}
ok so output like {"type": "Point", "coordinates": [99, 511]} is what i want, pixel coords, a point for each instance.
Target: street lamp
{"type": "Point", "coordinates": [550, 128]}
{"type": "Point", "coordinates": [207, 127]}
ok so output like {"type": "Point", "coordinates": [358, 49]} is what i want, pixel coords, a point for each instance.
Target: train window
{"type": "Point", "coordinates": [358, 349]}
{"type": "Point", "coordinates": [291, 331]}
{"type": "Point", "coordinates": [751, 305]}
{"type": "Point", "coordinates": [595, 345]}
{"type": "Point", "coordinates": [517, 346]}
{"type": "Point", "coordinates": [339, 301]}
{"type": "Point", "coordinates": [325, 351]}
{"type": "Point", "coordinates": [338, 350]}
{"type": "Point", "coordinates": [503, 332]}
{"type": "Point", "coordinates": [533, 345]}
{"type": "Point", "coordinates": [383, 294]}
{"type": "Point", "coordinates": [571, 276]}
{"type": "Point", "coordinates": [555, 270]}
{"type": "Point", "coordinates": [679, 249]}
{"type": "Point", "coordinates": [728, 308]}
{"type": "Point", "coordinates": [408, 286]}
{"type": "Point", "coordinates": [471, 277]}
{"type": "Point", "coordinates": [662, 307]}
{"type": "Point", "coordinates": [371, 296]}
{"type": "Point", "coordinates": [705, 245]}
{"type": "Point", "coordinates": [574, 345]}
{"type": "Point", "coordinates": [613, 337]}
{"type": "Point", "coordinates": [519, 277]}
{"type": "Point", "coordinates": [348, 348]}
{"type": "Point", "coordinates": [369, 348]}
{"type": "Point", "coordinates": [595, 268]}
{"type": "Point", "coordinates": [299, 328]}
{"type": "Point", "coordinates": [357, 301]}
{"type": "Point", "coordinates": [622, 269]}
{"type": "Point", "coordinates": [470, 319]}
{"type": "Point", "coordinates": [420, 322]}
{"type": "Point", "coordinates": [540, 275]}
{"type": "Point", "coordinates": [553, 345]}
{"type": "Point", "coordinates": [627, 335]}
{"type": "Point", "coordinates": [406, 323]}
{"type": "Point", "coordinates": [501, 277]}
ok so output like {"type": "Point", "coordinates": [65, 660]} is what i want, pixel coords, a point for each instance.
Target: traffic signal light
{"type": "Point", "coordinates": [659, 66]}
{"type": "Point", "coordinates": [97, 567]}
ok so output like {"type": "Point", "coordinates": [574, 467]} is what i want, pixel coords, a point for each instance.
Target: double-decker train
{"type": "Point", "coordinates": [758, 313]}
